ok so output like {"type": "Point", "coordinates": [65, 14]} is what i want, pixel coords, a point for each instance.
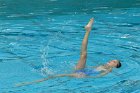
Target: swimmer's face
{"type": "Point", "coordinates": [113, 63]}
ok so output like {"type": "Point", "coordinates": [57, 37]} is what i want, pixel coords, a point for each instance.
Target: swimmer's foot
{"type": "Point", "coordinates": [89, 25]}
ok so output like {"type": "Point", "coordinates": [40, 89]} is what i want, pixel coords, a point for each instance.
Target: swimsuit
{"type": "Point", "coordinates": [88, 72]}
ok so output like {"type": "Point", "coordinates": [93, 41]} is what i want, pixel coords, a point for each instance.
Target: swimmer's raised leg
{"type": "Point", "coordinates": [82, 61]}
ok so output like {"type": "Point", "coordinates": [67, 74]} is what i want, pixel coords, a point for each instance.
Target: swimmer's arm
{"type": "Point", "coordinates": [44, 79]}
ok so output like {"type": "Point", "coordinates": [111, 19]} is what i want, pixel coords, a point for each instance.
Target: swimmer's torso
{"type": "Point", "coordinates": [92, 71]}
{"type": "Point", "coordinates": [102, 68]}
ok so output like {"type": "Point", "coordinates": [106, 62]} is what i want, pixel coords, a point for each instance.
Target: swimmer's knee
{"type": "Point", "coordinates": [84, 55]}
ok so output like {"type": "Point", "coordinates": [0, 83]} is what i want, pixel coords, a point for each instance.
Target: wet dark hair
{"type": "Point", "coordinates": [119, 64]}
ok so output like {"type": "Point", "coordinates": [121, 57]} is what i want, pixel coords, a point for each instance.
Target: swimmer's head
{"type": "Point", "coordinates": [114, 63]}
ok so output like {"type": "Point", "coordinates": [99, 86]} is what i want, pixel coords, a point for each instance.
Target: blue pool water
{"type": "Point", "coordinates": [39, 38]}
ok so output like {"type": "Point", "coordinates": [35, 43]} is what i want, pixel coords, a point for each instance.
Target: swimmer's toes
{"type": "Point", "coordinates": [89, 25]}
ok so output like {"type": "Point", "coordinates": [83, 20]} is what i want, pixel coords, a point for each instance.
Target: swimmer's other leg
{"type": "Point", "coordinates": [45, 79]}
{"type": "Point", "coordinates": [82, 61]}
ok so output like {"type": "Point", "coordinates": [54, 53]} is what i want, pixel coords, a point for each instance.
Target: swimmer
{"type": "Point", "coordinates": [80, 69]}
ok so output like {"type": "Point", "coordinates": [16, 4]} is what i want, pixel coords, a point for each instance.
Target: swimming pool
{"type": "Point", "coordinates": [43, 37]}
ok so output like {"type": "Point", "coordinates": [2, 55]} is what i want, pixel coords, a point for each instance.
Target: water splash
{"type": "Point", "coordinates": [46, 69]}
